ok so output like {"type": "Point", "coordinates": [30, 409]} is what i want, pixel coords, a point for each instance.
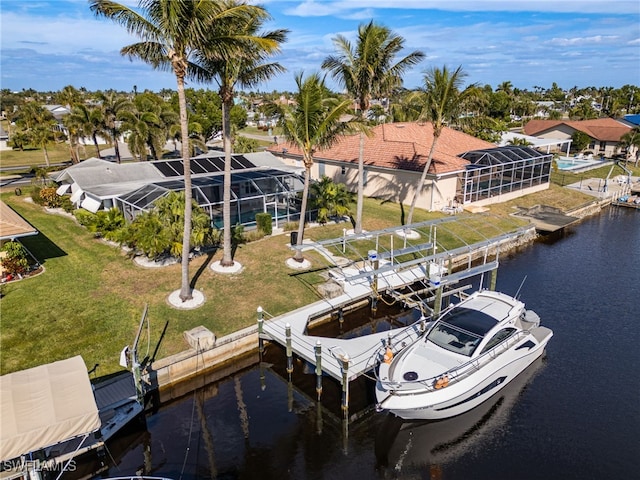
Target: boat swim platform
{"type": "Point", "coordinates": [383, 272]}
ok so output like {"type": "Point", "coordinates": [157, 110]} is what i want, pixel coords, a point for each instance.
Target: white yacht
{"type": "Point", "coordinates": [469, 353]}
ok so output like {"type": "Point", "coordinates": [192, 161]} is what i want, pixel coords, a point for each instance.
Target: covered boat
{"type": "Point", "coordinates": [469, 353]}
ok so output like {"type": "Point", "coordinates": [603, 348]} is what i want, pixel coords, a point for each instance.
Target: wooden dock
{"type": "Point", "coordinates": [357, 352]}
{"type": "Point", "coordinates": [410, 272]}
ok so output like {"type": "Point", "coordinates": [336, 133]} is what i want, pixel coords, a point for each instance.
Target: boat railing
{"type": "Point", "coordinates": [458, 373]}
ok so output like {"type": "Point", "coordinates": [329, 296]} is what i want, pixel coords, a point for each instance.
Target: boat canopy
{"type": "Point", "coordinates": [45, 405]}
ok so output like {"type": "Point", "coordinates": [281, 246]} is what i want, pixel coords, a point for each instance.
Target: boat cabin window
{"type": "Point", "coordinates": [454, 339]}
{"type": "Point", "coordinates": [498, 338]}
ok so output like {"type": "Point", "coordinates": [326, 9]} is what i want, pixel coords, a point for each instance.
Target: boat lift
{"type": "Point", "coordinates": [418, 264]}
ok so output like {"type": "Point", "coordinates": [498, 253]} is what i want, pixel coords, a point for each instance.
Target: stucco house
{"type": "Point", "coordinates": [396, 153]}
{"type": "Point", "coordinates": [605, 133]}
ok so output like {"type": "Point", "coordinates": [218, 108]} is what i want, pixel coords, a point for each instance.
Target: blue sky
{"type": "Point", "coordinates": [46, 45]}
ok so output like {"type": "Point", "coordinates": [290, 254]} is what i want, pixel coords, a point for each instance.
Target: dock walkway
{"type": "Point", "coordinates": [359, 352]}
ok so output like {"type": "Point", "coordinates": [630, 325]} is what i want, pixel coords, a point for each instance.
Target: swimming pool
{"type": "Point", "coordinates": [573, 163]}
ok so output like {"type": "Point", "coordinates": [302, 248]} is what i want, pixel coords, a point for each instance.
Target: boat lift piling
{"type": "Point", "coordinates": [318, 352]}
{"type": "Point", "coordinates": [289, 350]}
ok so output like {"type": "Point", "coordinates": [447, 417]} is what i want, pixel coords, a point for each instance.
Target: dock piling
{"type": "Point", "coordinates": [260, 331]}
{"type": "Point", "coordinates": [318, 351]}
{"type": "Point", "coordinates": [287, 330]}
{"type": "Point", "coordinates": [344, 367]}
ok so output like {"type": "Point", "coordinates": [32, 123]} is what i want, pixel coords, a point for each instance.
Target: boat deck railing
{"type": "Point", "coordinates": [456, 374]}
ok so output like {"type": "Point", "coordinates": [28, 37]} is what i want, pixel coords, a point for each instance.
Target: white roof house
{"type": "Point", "coordinates": [99, 184]}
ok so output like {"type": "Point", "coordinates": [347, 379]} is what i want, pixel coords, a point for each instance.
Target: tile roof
{"type": "Point", "coordinates": [400, 146]}
{"type": "Point", "coordinates": [605, 129]}
{"type": "Point", "coordinates": [12, 225]}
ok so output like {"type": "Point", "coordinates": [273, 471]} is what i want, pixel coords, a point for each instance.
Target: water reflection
{"type": "Point", "coordinates": [403, 446]}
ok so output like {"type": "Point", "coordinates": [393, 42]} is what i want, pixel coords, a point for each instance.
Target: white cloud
{"type": "Point", "coordinates": [339, 8]}
{"type": "Point", "coordinates": [596, 39]}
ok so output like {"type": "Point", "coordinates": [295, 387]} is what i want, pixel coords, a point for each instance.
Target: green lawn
{"type": "Point", "coordinates": [91, 295]}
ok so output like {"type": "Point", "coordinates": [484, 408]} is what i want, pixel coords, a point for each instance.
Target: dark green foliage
{"type": "Point", "coordinates": [158, 233]}
{"type": "Point", "coordinates": [580, 141]}
{"type": "Point", "coordinates": [264, 223]}
{"type": "Point", "coordinates": [104, 223]}
{"type": "Point", "coordinates": [330, 199]}
{"type": "Point", "coordinates": [15, 261]}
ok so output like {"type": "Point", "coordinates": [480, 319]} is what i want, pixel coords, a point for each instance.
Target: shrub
{"type": "Point", "coordinates": [35, 195]}
{"type": "Point", "coordinates": [290, 226]}
{"type": "Point", "coordinates": [66, 205]}
{"type": "Point", "coordinates": [263, 222]}
{"type": "Point", "coordinates": [84, 217]}
{"type": "Point", "coordinates": [49, 197]}
{"type": "Point", "coordinates": [15, 262]}
{"type": "Point", "coordinates": [253, 235]}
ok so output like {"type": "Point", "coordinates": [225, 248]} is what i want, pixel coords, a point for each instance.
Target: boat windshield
{"type": "Point", "coordinates": [454, 339]}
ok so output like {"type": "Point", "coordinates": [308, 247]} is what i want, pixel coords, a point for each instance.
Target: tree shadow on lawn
{"type": "Point", "coordinates": [42, 248]}
{"type": "Point", "coordinates": [202, 268]}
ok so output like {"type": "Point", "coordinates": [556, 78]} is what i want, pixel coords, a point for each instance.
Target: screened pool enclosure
{"type": "Point", "coordinates": [252, 191]}
{"type": "Point", "coordinates": [497, 171]}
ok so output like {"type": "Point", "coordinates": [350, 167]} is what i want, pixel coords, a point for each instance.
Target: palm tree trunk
{"type": "Point", "coordinates": [95, 142]}
{"type": "Point", "coordinates": [73, 152]}
{"type": "Point", "coordinates": [185, 289]}
{"type": "Point", "coordinates": [46, 155]}
{"type": "Point", "coordinates": [303, 210]}
{"type": "Point", "coordinates": [227, 258]}
{"type": "Point", "coordinates": [115, 145]}
{"type": "Point", "coordinates": [423, 178]}
{"type": "Point", "coordinates": [358, 227]}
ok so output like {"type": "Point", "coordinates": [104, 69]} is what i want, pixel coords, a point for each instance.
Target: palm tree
{"type": "Point", "coordinates": [112, 106]}
{"type": "Point", "coordinates": [330, 199]}
{"type": "Point", "coordinates": [89, 121]}
{"type": "Point", "coordinates": [246, 71]}
{"type": "Point", "coordinates": [442, 99]}
{"type": "Point", "coordinates": [630, 141]}
{"type": "Point", "coordinates": [39, 124]}
{"type": "Point", "coordinates": [315, 121]}
{"type": "Point", "coordinates": [369, 69]}
{"type": "Point", "coordinates": [172, 33]}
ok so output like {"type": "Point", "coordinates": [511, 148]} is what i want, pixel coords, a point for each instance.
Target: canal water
{"type": "Point", "coordinates": [575, 414]}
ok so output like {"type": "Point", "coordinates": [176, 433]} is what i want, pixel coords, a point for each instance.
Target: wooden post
{"type": "Point", "coordinates": [260, 330]}
{"type": "Point", "coordinates": [344, 367]}
{"type": "Point", "coordinates": [318, 351]}
{"type": "Point", "coordinates": [493, 279]}
{"type": "Point", "coordinates": [437, 303]}
{"type": "Point", "coordinates": [287, 329]}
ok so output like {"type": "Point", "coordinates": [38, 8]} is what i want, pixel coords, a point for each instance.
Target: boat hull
{"type": "Point", "coordinates": [429, 404]}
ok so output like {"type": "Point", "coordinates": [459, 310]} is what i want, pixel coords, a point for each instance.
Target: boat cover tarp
{"type": "Point", "coordinates": [45, 405]}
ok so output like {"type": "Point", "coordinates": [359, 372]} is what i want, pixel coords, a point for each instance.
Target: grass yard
{"type": "Point", "coordinates": [90, 298]}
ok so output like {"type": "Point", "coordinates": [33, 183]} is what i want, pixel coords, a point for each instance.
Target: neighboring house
{"type": "Point", "coordinates": [12, 227]}
{"type": "Point", "coordinates": [260, 182]}
{"type": "Point", "coordinates": [632, 120]}
{"type": "Point", "coordinates": [395, 156]}
{"type": "Point", "coordinates": [58, 111]}
{"type": "Point", "coordinates": [550, 145]}
{"type": "Point", "coordinates": [605, 133]}
{"type": "Point", "coordinates": [4, 139]}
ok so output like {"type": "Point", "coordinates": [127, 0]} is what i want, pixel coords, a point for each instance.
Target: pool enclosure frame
{"type": "Point", "coordinates": [252, 191]}
{"type": "Point", "coordinates": [497, 171]}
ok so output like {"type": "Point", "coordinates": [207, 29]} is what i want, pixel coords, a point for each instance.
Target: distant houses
{"type": "Point", "coordinates": [605, 133]}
